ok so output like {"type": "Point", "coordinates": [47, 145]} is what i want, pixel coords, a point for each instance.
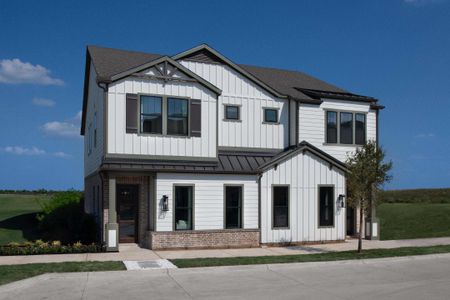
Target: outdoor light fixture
{"type": "Point", "coordinates": [165, 203]}
{"type": "Point", "coordinates": [341, 200]}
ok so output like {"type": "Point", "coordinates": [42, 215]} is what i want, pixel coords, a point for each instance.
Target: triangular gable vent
{"type": "Point", "coordinates": [204, 56]}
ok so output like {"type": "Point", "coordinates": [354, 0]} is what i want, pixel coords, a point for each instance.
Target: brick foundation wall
{"type": "Point", "coordinates": [240, 238]}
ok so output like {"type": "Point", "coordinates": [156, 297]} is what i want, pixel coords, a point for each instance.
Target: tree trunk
{"type": "Point", "coordinates": [361, 222]}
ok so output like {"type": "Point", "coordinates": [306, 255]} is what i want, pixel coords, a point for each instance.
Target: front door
{"type": "Point", "coordinates": [127, 201]}
{"type": "Point", "coordinates": [351, 225]}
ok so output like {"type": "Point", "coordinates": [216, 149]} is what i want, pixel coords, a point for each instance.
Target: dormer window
{"type": "Point", "coordinates": [232, 112]}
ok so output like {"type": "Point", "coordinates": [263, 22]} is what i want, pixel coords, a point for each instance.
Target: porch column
{"type": "Point", "coordinates": [112, 228]}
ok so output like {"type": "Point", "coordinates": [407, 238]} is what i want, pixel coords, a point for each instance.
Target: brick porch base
{"type": "Point", "coordinates": [198, 239]}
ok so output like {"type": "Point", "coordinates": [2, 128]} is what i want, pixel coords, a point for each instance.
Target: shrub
{"type": "Point", "coordinates": [55, 247]}
{"type": "Point", "coordinates": [63, 219]}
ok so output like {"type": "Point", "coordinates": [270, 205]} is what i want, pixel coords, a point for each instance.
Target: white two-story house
{"type": "Point", "coordinates": [194, 150]}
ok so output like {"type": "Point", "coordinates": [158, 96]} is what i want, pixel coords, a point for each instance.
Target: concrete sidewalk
{"type": "Point", "coordinates": [409, 278]}
{"type": "Point", "coordinates": [131, 252]}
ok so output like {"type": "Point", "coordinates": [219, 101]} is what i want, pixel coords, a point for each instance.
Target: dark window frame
{"type": "Point", "coordinates": [192, 209]}
{"type": "Point", "coordinates": [225, 112]}
{"type": "Point", "coordinates": [338, 127]}
{"type": "Point", "coordinates": [333, 202]}
{"type": "Point", "coordinates": [241, 214]}
{"type": "Point", "coordinates": [164, 115]}
{"type": "Point", "coordinates": [288, 186]}
{"type": "Point", "coordinates": [277, 111]}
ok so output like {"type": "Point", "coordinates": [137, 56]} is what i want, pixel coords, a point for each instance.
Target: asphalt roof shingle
{"type": "Point", "coordinates": [109, 62]}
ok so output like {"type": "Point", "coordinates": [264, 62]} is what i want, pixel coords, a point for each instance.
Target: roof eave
{"type": "Point", "coordinates": [304, 146]}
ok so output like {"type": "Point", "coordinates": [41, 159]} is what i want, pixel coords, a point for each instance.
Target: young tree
{"type": "Point", "coordinates": [367, 172]}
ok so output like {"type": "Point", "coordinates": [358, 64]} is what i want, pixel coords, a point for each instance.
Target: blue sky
{"type": "Point", "coordinates": [396, 50]}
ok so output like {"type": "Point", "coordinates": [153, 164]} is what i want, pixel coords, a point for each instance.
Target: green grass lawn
{"type": "Point", "coordinates": [414, 220]}
{"type": "Point", "coordinates": [18, 217]}
{"type": "Point", "coordinates": [301, 258]}
{"type": "Point", "coordinates": [18, 272]}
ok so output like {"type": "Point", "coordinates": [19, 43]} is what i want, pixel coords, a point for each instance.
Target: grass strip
{"type": "Point", "coordinates": [299, 258]}
{"type": "Point", "coordinates": [10, 273]}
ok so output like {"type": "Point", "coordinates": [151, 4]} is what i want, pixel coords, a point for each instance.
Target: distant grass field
{"type": "Point", "coordinates": [18, 217]}
{"type": "Point", "coordinates": [414, 220]}
{"type": "Point", "coordinates": [416, 196]}
{"type": "Point", "coordinates": [409, 214]}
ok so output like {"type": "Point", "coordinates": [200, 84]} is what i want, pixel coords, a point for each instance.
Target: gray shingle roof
{"type": "Point", "coordinates": [287, 82]}
{"type": "Point", "coordinates": [109, 62]}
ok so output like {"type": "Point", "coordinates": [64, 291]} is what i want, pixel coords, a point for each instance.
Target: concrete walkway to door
{"type": "Point", "coordinates": [131, 252]}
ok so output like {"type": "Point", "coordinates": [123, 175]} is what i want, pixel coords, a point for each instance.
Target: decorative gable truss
{"type": "Point", "coordinates": [166, 69]}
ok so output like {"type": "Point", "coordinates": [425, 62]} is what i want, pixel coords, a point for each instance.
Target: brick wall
{"type": "Point", "coordinates": [240, 238]}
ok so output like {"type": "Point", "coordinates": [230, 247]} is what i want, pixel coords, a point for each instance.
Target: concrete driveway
{"type": "Point", "coordinates": [419, 277]}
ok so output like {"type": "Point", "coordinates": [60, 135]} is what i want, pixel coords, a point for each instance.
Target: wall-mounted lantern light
{"type": "Point", "coordinates": [341, 201]}
{"type": "Point", "coordinates": [165, 203]}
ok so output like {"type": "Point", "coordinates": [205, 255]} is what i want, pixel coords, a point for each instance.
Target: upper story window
{"type": "Point", "coordinates": [360, 129]}
{"type": "Point", "coordinates": [151, 114]}
{"type": "Point", "coordinates": [270, 115]}
{"type": "Point", "coordinates": [332, 130]}
{"type": "Point", "coordinates": [345, 128]}
{"type": "Point", "coordinates": [177, 116]}
{"type": "Point", "coordinates": [232, 112]}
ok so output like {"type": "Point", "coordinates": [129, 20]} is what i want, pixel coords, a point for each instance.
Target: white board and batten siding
{"type": "Point", "coordinates": [250, 132]}
{"type": "Point", "coordinates": [120, 142]}
{"type": "Point", "coordinates": [312, 125]}
{"type": "Point", "coordinates": [208, 199]}
{"type": "Point", "coordinates": [94, 106]}
{"type": "Point", "coordinates": [303, 173]}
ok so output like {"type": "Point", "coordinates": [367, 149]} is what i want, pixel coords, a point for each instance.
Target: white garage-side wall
{"type": "Point", "coordinates": [208, 199]}
{"type": "Point", "coordinates": [250, 131]}
{"type": "Point", "coordinates": [120, 142]}
{"type": "Point", "coordinates": [303, 173]}
{"type": "Point", "coordinates": [312, 125]}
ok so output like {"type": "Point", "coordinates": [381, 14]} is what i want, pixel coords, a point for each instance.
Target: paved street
{"type": "Point", "coordinates": [419, 277]}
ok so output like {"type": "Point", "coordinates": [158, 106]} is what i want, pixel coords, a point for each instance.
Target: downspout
{"type": "Point", "coordinates": [259, 207]}
{"type": "Point", "coordinates": [289, 122]}
{"type": "Point", "coordinates": [102, 217]}
{"type": "Point", "coordinates": [297, 123]}
{"type": "Point", "coordinates": [104, 87]}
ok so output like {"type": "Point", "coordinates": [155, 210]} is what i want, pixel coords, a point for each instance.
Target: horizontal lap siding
{"type": "Point", "coordinates": [312, 125]}
{"type": "Point", "coordinates": [208, 197]}
{"type": "Point", "coordinates": [238, 90]}
{"type": "Point", "coordinates": [303, 173]}
{"type": "Point", "coordinates": [94, 104]}
{"type": "Point", "coordinates": [120, 142]}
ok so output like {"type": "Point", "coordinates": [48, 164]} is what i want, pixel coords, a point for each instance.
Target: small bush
{"type": "Point", "coordinates": [63, 219]}
{"type": "Point", "coordinates": [55, 247]}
